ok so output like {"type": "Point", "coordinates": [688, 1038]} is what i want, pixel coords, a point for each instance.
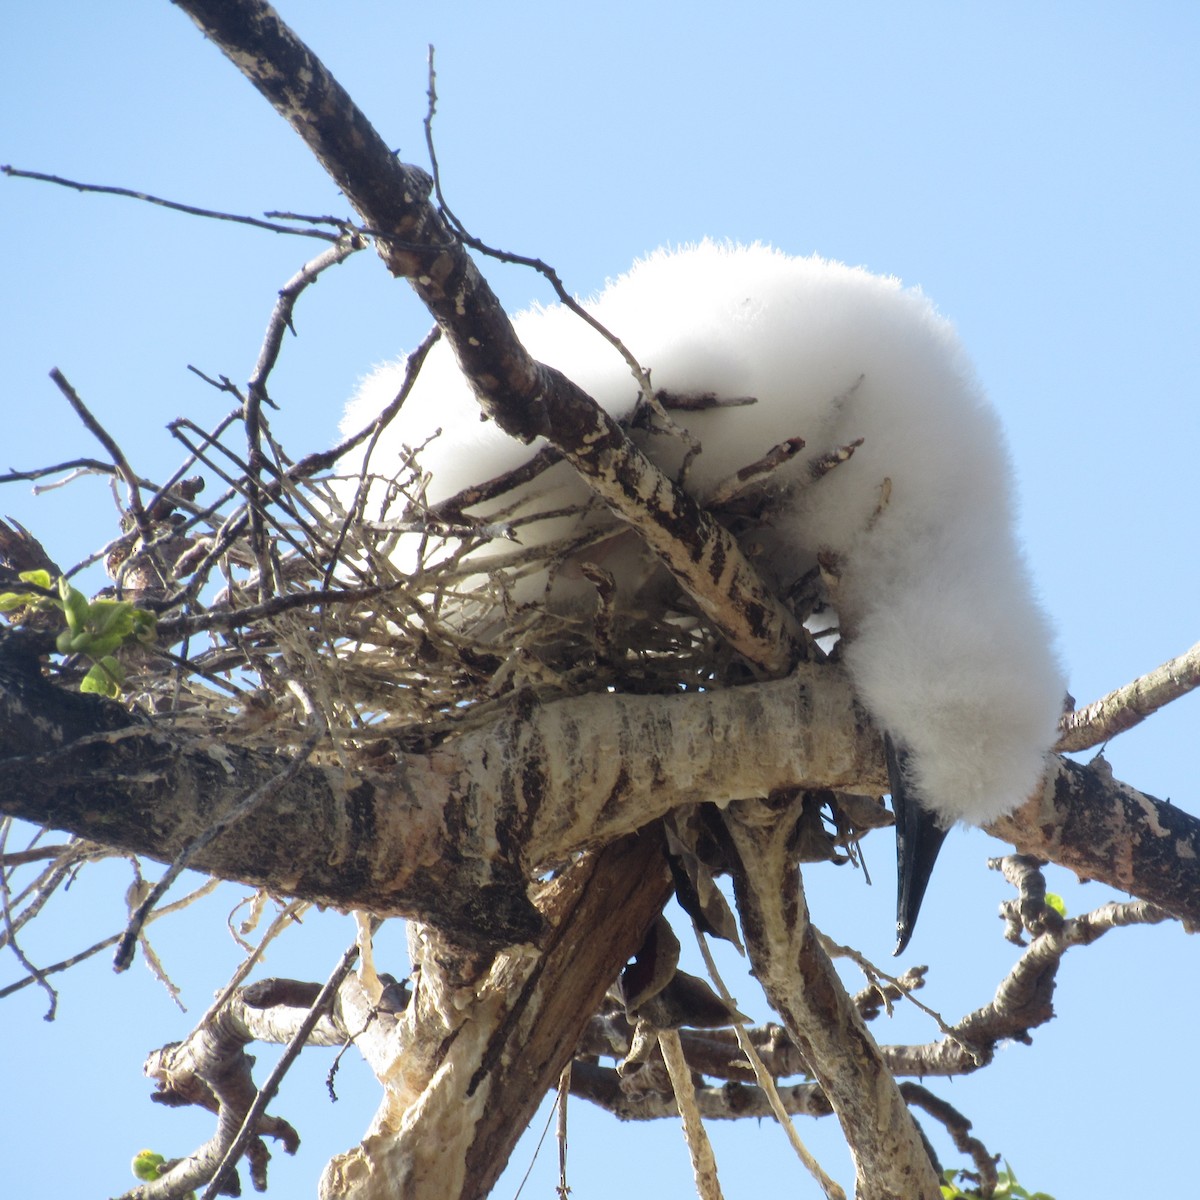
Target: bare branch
{"type": "Point", "coordinates": [203, 890]}
{"type": "Point", "coordinates": [704, 1163]}
{"type": "Point", "coordinates": [211, 1069]}
{"type": "Point", "coordinates": [959, 1129]}
{"type": "Point", "coordinates": [526, 398]}
{"type": "Point", "coordinates": [124, 470]}
{"type": "Point", "coordinates": [766, 1083]}
{"type": "Point", "coordinates": [803, 987]}
{"type": "Point", "coordinates": [1103, 829]}
{"type": "Point", "coordinates": [1132, 704]}
{"type": "Point", "coordinates": [185, 208]}
{"type": "Point", "coordinates": [266, 1093]}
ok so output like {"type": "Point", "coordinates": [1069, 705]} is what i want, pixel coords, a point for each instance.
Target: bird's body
{"type": "Point", "coordinates": [941, 634]}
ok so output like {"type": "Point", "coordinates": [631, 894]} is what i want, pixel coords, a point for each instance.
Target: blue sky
{"type": "Point", "coordinates": [1032, 166]}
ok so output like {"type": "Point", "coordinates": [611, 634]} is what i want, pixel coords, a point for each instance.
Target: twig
{"type": "Point", "coordinates": [78, 466]}
{"type": "Point", "coordinates": [5, 904]}
{"type": "Point", "coordinates": [281, 315]}
{"type": "Point", "coordinates": [289, 915]}
{"type": "Point", "coordinates": [766, 1081]}
{"type": "Point", "coordinates": [873, 974]}
{"type": "Point", "coordinates": [204, 889]}
{"type": "Point", "coordinates": [106, 439]}
{"type": "Point", "coordinates": [564, 1093]}
{"type": "Point", "coordinates": [18, 858]}
{"type": "Point", "coordinates": [373, 431]}
{"type": "Point", "coordinates": [231, 619]}
{"type": "Point", "coordinates": [266, 1093]}
{"type": "Point", "coordinates": [124, 955]}
{"type": "Point", "coordinates": [256, 390]}
{"type": "Point", "coordinates": [191, 210]}
{"type": "Point", "coordinates": [754, 473]}
{"type": "Point", "coordinates": [640, 374]}
{"type": "Point", "coordinates": [704, 1165]}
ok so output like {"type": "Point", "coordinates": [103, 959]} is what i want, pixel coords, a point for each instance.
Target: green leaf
{"type": "Point", "coordinates": [146, 1165]}
{"type": "Point", "coordinates": [95, 629]}
{"type": "Point", "coordinates": [103, 644]}
{"type": "Point", "coordinates": [112, 616]}
{"type": "Point", "coordinates": [950, 1188]}
{"type": "Point", "coordinates": [104, 679]}
{"type": "Point", "coordinates": [40, 578]}
{"type": "Point", "coordinates": [75, 605]}
{"type": "Point", "coordinates": [1056, 902]}
{"type": "Point", "coordinates": [145, 626]}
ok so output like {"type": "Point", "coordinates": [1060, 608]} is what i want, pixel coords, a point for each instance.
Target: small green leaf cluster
{"type": "Point", "coordinates": [147, 1166]}
{"type": "Point", "coordinates": [95, 629]}
{"type": "Point", "coordinates": [1007, 1188]}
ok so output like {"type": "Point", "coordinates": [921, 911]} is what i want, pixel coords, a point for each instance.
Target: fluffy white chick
{"type": "Point", "coordinates": [943, 639]}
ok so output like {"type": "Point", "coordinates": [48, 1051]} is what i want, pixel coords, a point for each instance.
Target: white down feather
{"type": "Point", "coordinates": [942, 636]}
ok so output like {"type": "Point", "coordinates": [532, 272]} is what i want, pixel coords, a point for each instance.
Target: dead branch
{"type": "Point", "coordinates": [211, 1068]}
{"type": "Point", "coordinates": [190, 209]}
{"type": "Point", "coordinates": [446, 1134]}
{"type": "Point", "coordinates": [526, 398]}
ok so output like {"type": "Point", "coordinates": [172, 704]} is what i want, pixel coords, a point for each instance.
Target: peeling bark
{"type": "Point", "coordinates": [799, 980]}
{"type": "Point", "coordinates": [452, 836]}
{"type": "Point", "coordinates": [1103, 829]}
{"type": "Point", "coordinates": [472, 1074]}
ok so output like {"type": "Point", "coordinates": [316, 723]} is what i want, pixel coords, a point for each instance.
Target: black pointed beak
{"type": "Point", "coordinates": [918, 839]}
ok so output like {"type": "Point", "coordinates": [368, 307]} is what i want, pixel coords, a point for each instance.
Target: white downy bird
{"type": "Point", "coordinates": [941, 634]}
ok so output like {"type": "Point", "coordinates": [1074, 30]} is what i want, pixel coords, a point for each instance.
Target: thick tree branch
{"type": "Point", "coordinates": [525, 397]}
{"type": "Point", "coordinates": [451, 836]}
{"type": "Point", "coordinates": [211, 1069]}
{"type": "Point", "coordinates": [1103, 829]}
{"type": "Point", "coordinates": [479, 1045]}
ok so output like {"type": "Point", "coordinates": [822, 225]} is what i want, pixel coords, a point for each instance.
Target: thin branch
{"type": "Point", "coordinates": [874, 974]}
{"type": "Point", "coordinates": [290, 914]}
{"type": "Point", "coordinates": [641, 375]}
{"type": "Point", "coordinates": [766, 1082]}
{"type": "Point", "coordinates": [11, 935]}
{"type": "Point", "coordinates": [78, 466]}
{"type": "Point", "coordinates": [104, 943]}
{"type": "Point", "coordinates": [271, 787]}
{"type": "Point", "coordinates": [266, 1093]}
{"type": "Point", "coordinates": [959, 1129]}
{"type": "Point", "coordinates": [124, 470]}
{"type": "Point", "coordinates": [191, 210]}
{"type": "Point", "coordinates": [16, 858]}
{"type": "Point", "coordinates": [564, 1091]}
{"type": "Point", "coordinates": [704, 1164]}
{"type": "Point", "coordinates": [373, 432]}
{"type": "Point", "coordinates": [256, 392]}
